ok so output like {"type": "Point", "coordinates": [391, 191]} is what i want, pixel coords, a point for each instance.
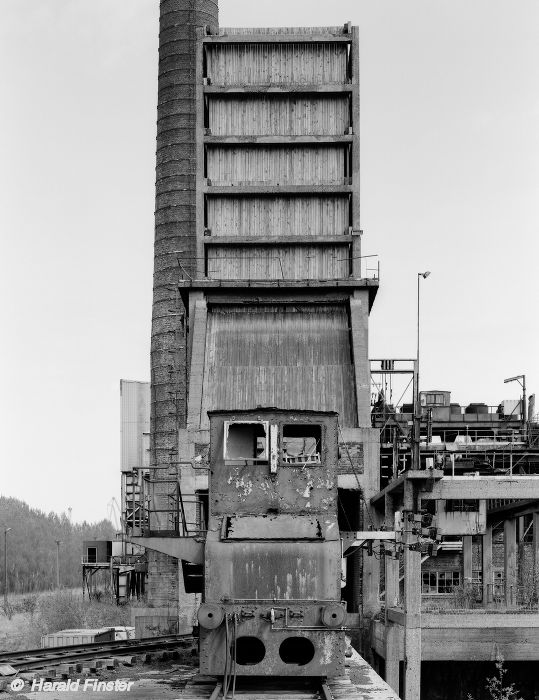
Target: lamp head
{"type": "Point", "coordinates": [514, 379]}
{"type": "Point", "coordinates": [424, 274]}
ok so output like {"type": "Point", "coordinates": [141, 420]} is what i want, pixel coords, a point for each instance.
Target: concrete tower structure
{"type": "Point", "coordinates": [261, 296]}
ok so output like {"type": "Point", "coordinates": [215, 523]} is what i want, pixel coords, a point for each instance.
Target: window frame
{"type": "Point", "coordinates": [438, 575]}
{"type": "Point", "coordinates": [259, 460]}
{"type": "Point", "coordinates": [283, 463]}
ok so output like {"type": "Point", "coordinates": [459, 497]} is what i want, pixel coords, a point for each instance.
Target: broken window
{"type": "Point", "coordinates": [202, 509]}
{"type": "Point", "coordinates": [301, 444]}
{"type": "Point", "coordinates": [247, 440]}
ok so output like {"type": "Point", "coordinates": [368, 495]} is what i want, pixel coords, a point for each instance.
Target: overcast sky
{"type": "Point", "coordinates": [449, 183]}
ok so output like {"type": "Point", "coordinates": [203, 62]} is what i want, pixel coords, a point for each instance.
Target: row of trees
{"type": "Point", "coordinates": [31, 546]}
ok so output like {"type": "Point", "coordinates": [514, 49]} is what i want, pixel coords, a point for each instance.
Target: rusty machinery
{"type": "Point", "coordinates": [272, 568]}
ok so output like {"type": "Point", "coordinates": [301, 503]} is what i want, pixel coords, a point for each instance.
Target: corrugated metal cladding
{"type": "Point", "coordinates": [299, 165]}
{"type": "Point", "coordinates": [286, 262]}
{"type": "Point", "coordinates": [135, 423]}
{"type": "Point", "coordinates": [278, 216]}
{"type": "Point", "coordinates": [294, 357]}
{"type": "Point", "coordinates": [226, 31]}
{"type": "Point", "coordinates": [262, 64]}
{"type": "Point", "coordinates": [274, 115]}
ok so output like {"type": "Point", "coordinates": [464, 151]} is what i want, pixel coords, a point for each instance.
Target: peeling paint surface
{"type": "Point", "coordinates": [273, 551]}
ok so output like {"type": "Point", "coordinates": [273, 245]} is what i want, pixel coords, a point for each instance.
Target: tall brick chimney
{"type": "Point", "coordinates": [174, 215]}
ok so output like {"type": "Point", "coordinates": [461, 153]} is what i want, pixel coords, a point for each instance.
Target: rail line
{"type": "Point", "coordinates": [28, 659]}
{"type": "Point", "coordinates": [272, 688]}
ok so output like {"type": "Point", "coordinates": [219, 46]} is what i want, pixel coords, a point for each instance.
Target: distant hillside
{"type": "Point", "coordinates": [32, 546]}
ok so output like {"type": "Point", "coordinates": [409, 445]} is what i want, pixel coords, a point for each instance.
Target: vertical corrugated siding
{"type": "Point", "coordinates": [224, 31]}
{"type": "Point", "coordinates": [278, 262]}
{"type": "Point", "coordinates": [304, 165]}
{"type": "Point", "coordinates": [288, 357]}
{"type": "Point", "coordinates": [273, 115]}
{"type": "Point", "coordinates": [278, 216]}
{"type": "Point", "coordinates": [274, 64]}
{"type": "Point", "coordinates": [135, 421]}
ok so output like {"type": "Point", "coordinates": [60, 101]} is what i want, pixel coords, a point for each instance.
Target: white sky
{"type": "Point", "coordinates": [449, 183]}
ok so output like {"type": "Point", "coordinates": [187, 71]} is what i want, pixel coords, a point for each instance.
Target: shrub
{"type": "Point", "coordinates": [495, 686]}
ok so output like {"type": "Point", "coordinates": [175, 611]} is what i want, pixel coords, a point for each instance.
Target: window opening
{"type": "Point", "coordinates": [435, 400]}
{"type": "Point", "coordinates": [301, 444]}
{"type": "Point", "coordinates": [461, 505]}
{"type": "Point", "coordinates": [202, 500]}
{"type": "Point", "coordinates": [439, 582]}
{"type": "Point", "coordinates": [247, 440]}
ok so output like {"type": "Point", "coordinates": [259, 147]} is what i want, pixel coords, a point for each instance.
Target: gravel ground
{"type": "Point", "coordinates": [146, 681]}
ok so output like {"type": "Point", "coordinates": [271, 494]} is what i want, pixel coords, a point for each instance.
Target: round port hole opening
{"type": "Point", "coordinates": [249, 651]}
{"type": "Point", "coordinates": [297, 650]}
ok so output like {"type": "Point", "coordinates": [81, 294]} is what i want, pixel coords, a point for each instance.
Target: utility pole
{"type": "Point", "coordinates": [58, 543]}
{"type": "Point", "coordinates": [6, 530]}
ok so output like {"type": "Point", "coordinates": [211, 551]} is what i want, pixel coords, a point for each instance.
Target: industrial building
{"type": "Point", "coordinates": [261, 303]}
{"type": "Point", "coordinates": [117, 567]}
{"type": "Point", "coordinates": [261, 296]}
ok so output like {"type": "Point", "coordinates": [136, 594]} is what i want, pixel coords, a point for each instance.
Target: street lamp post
{"type": "Point", "coordinates": [521, 379]}
{"type": "Point", "coordinates": [416, 462]}
{"type": "Point", "coordinates": [6, 530]}
{"type": "Point", "coordinates": [412, 556]}
{"type": "Point", "coordinates": [58, 543]}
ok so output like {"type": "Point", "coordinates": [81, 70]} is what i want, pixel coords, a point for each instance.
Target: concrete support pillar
{"type": "Point", "coordinates": [467, 559]}
{"type": "Point", "coordinates": [391, 564]}
{"type": "Point", "coordinates": [536, 550]}
{"type": "Point", "coordinates": [510, 560]}
{"type": "Point", "coordinates": [392, 579]}
{"type": "Point", "coordinates": [521, 528]}
{"type": "Point", "coordinates": [371, 578]}
{"type": "Point", "coordinates": [392, 640]}
{"type": "Point", "coordinates": [371, 585]}
{"type": "Point", "coordinates": [198, 352]}
{"type": "Point", "coordinates": [359, 318]}
{"type": "Point", "coordinates": [487, 565]}
{"type": "Point", "coordinates": [393, 633]}
{"type": "Point", "coordinates": [412, 604]}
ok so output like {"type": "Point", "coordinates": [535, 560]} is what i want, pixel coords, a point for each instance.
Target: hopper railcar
{"type": "Point", "coordinates": [272, 570]}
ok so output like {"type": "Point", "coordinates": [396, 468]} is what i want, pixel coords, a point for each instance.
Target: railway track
{"type": "Point", "coordinates": [31, 659]}
{"type": "Point", "coordinates": [271, 688]}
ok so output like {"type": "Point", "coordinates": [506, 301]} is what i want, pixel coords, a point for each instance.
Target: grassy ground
{"type": "Point", "coordinates": [30, 616]}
